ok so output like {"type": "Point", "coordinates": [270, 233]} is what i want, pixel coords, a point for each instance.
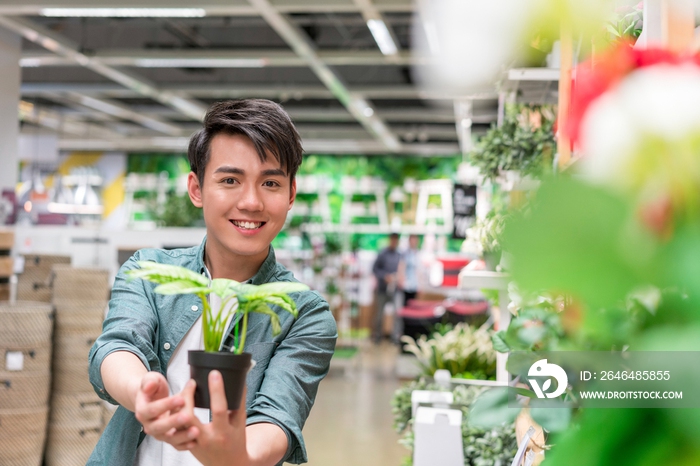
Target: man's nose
{"type": "Point", "coordinates": [250, 199]}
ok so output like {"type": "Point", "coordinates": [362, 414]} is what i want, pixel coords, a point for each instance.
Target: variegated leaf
{"type": "Point", "coordinates": [274, 318]}
{"type": "Point", "coordinates": [163, 273]}
{"type": "Point", "coordinates": [282, 303]}
{"type": "Point", "coordinates": [181, 287]}
{"type": "Point", "coordinates": [282, 287]}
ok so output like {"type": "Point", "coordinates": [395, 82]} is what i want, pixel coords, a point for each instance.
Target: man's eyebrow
{"type": "Point", "coordinates": [274, 172]}
{"type": "Point", "coordinates": [239, 171]}
{"type": "Point", "coordinates": [228, 169]}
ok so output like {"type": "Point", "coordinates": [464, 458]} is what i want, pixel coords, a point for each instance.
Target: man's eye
{"type": "Point", "coordinates": [271, 184]}
{"type": "Point", "coordinates": [229, 180]}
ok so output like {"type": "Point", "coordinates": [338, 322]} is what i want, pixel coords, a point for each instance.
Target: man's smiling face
{"type": "Point", "coordinates": [245, 201]}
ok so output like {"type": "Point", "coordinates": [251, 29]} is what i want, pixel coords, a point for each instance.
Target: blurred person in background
{"type": "Point", "coordinates": [407, 274]}
{"type": "Point", "coordinates": [384, 269]}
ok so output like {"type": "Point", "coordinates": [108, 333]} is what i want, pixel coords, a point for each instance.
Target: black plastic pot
{"type": "Point", "coordinates": [233, 367]}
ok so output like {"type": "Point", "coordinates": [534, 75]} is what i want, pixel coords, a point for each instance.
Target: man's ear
{"type": "Point", "coordinates": [292, 193]}
{"type": "Point", "coordinates": [194, 189]}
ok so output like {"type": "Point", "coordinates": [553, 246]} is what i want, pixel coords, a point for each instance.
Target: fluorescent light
{"type": "Point", "coordinates": [200, 62]}
{"type": "Point", "coordinates": [382, 36]}
{"type": "Point", "coordinates": [60, 208]}
{"type": "Point", "coordinates": [28, 62]}
{"type": "Point", "coordinates": [125, 12]}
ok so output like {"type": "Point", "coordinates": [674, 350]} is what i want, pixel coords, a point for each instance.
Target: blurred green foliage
{"type": "Point", "coordinates": [626, 286]}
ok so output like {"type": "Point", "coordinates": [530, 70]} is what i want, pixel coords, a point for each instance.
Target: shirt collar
{"type": "Point", "coordinates": [263, 275]}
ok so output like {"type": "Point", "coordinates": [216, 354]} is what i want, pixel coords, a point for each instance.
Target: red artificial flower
{"type": "Point", "coordinates": [604, 72]}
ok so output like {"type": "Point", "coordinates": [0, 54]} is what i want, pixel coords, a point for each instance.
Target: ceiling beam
{"type": "Point", "coordinates": [355, 104]}
{"type": "Point", "coordinates": [329, 146]}
{"type": "Point", "coordinates": [62, 123]}
{"type": "Point", "coordinates": [341, 115]}
{"type": "Point", "coordinates": [61, 46]}
{"type": "Point", "coordinates": [119, 110]}
{"type": "Point", "coordinates": [211, 8]}
{"type": "Point", "coordinates": [231, 91]}
{"type": "Point", "coordinates": [233, 58]}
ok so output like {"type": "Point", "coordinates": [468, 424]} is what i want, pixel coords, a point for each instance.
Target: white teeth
{"type": "Point", "coordinates": [248, 225]}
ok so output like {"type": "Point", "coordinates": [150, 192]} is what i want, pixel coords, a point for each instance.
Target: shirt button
{"type": "Point", "coordinates": [166, 346]}
{"type": "Point", "coordinates": [194, 308]}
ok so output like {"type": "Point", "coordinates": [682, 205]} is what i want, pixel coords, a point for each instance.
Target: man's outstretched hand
{"type": "Point", "coordinates": [162, 415]}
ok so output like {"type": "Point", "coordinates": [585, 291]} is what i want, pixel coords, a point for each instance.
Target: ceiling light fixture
{"type": "Point", "coordinates": [125, 12]}
{"type": "Point", "coordinates": [382, 36]}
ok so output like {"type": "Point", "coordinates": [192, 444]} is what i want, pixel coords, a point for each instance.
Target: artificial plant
{"type": "Point", "coordinates": [482, 447]}
{"type": "Point", "coordinates": [523, 143]}
{"type": "Point", "coordinates": [173, 279]}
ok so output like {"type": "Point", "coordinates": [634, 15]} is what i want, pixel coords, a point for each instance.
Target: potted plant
{"type": "Point", "coordinates": [524, 143]}
{"type": "Point", "coordinates": [234, 363]}
{"type": "Point", "coordinates": [490, 233]}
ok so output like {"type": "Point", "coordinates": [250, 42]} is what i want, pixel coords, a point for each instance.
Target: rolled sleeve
{"type": "Point", "coordinates": [291, 381]}
{"type": "Point", "coordinates": [129, 326]}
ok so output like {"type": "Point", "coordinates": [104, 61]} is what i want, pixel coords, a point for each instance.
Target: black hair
{"type": "Point", "coordinates": [264, 122]}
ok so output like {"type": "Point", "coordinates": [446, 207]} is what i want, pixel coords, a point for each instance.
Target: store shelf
{"type": "Point", "coordinates": [469, 279]}
{"type": "Point", "coordinates": [377, 229]}
{"type": "Point", "coordinates": [533, 85]}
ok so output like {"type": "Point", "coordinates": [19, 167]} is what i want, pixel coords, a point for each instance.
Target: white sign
{"type": "Point", "coordinates": [14, 361]}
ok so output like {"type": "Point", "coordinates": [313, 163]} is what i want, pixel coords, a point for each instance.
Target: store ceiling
{"type": "Point", "coordinates": [142, 84]}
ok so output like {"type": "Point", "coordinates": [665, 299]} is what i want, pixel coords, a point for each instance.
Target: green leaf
{"type": "Point", "coordinates": [181, 287]}
{"type": "Point", "coordinates": [223, 287]}
{"type": "Point", "coordinates": [282, 287]}
{"type": "Point", "coordinates": [241, 289]}
{"type": "Point", "coordinates": [162, 273]}
{"type": "Point", "coordinates": [491, 409]}
{"type": "Point", "coordinates": [580, 240]}
{"type": "Point", "coordinates": [554, 419]}
{"type": "Point", "coordinates": [499, 342]}
{"type": "Point", "coordinates": [274, 318]}
{"type": "Point", "coordinates": [282, 303]}
{"type": "Point", "coordinates": [524, 392]}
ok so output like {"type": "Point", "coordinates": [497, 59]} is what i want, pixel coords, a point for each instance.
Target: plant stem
{"type": "Point", "coordinates": [235, 337]}
{"type": "Point", "coordinates": [206, 310]}
{"type": "Point", "coordinates": [245, 330]}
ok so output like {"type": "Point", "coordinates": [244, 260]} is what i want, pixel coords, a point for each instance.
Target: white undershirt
{"type": "Point", "coordinates": [153, 452]}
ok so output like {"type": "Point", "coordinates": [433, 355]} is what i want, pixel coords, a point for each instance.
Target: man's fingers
{"type": "Point", "coordinates": [154, 386]}
{"type": "Point", "coordinates": [180, 439]}
{"type": "Point", "coordinates": [217, 400]}
{"type": "Point", "coordinates": [149, 411]}
{"type": "Point", "coordinates": [160, 428]}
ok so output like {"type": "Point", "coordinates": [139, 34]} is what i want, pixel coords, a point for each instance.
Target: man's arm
{"type": "Point", "coordinates": [122, 372]}
{"type": "Point", "coordinates": [266, 444]}
{"type": "Point", "coordinates": [378, 269]}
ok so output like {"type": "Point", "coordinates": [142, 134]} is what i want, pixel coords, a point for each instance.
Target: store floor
{"type": "Point", "coordinates": [351, 422]}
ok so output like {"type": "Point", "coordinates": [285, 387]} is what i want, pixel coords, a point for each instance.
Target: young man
{"type": "Point", "coordinates": [243, 166]}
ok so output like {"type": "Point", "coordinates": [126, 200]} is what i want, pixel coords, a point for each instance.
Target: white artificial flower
{"type": "Point", "coordinates": [664, 100]}
{"type": "Point", "coordinates": [607, 139]}
{"type": "Point", "coordinates": [661, 101]}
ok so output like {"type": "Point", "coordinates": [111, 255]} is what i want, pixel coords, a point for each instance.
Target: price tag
{"type": "Point", "coordinates": [14, 361]}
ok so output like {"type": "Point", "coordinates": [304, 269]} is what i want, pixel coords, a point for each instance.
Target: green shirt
{"type": "Point", "coordinates": [281, 387]}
